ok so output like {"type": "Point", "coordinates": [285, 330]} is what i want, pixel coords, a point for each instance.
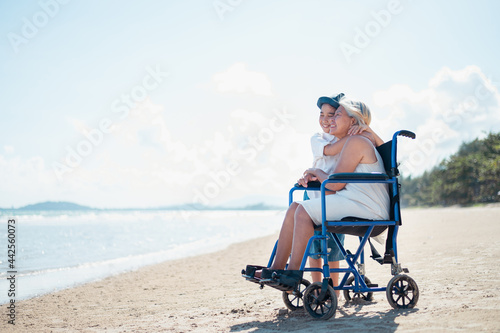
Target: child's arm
{"type": "Point", "coordinates": [334, 148]}
{"type": "Point", "coordinates": [318, 143]}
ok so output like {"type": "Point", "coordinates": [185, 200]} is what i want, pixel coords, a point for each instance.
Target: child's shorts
{"type": "Point", "coordinates": [335, 254]}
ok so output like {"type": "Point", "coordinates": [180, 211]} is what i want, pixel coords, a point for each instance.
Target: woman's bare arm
{"type": "Point", "coordinates": [357, 149]}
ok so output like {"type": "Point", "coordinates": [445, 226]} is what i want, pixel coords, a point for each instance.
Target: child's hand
{"type": "Point", "coordinates": [370, 137]}
{"type": "Point", "coordinates": [358, 129]}
{"type": "Point", "coordinates": [363, 130]}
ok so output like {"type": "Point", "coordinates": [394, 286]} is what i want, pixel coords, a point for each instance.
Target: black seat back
{"type": "Point", "coordinates": [385, 152]}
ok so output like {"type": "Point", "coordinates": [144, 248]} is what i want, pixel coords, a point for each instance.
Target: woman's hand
{"type": "Point", "coordinates": [312, 171]}
{"type": "Point", "coordinates": [306, 178]}
{"type": "Point", "coordinates": [315, 174]}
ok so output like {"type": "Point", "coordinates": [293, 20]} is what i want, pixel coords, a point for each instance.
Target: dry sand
{"type": "Point", "coordinates": [452, 254]}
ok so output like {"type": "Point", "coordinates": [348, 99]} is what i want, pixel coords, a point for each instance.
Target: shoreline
{"type": "Point", "coordinates": [113, 294]}
{"type": "Point", "coordinates": [451, 253]}
{"type": "Point", "coordinates": [60, 251]}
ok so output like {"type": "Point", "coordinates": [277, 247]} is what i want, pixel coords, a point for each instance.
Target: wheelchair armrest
{"type": "Point", "coordinates": [358, 176]}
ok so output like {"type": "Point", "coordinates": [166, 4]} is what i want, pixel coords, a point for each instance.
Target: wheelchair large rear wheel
{"type": "Point", "coordinates": [402, 292]}
{"type": "Point", "coordinates": [294, 301]}
{"type": "Point", "coordinates": [350, 295]}
{"type": "Point", "coordinates": [320, 309]}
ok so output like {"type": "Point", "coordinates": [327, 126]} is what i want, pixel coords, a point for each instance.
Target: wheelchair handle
{"type": "Point", "coordinates": [407, 134]}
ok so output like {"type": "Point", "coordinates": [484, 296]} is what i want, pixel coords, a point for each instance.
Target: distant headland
{"type": "Point", "coordinates": [55, 205]}
{"type": "Point", "coordinates": [70, 206]}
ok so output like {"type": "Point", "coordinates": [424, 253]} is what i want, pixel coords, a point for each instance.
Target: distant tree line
{"type": "Point", "coordinates": [470, 176]}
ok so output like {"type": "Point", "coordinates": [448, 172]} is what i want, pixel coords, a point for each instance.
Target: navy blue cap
{"type": "Point", "coordinates": [333, 101]}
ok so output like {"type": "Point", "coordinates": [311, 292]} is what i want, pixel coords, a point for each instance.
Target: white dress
{"type": "Point", "coordinates": [369, 201]}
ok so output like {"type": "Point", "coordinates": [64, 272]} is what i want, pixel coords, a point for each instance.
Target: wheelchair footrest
{"type": "Point", "coordinates": [277, 278]}
{"type": "Point", "coordinates": [281, 279]}
{"type": "Point", "coordinates": [249, 273]}
{"type": "Point", "coordinates": [378, 259]}
{"type": "Point", "coordinates": [388, 258]}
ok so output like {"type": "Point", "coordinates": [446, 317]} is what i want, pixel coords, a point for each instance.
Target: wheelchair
{"type": "Point", "coordinates": [319, 299]}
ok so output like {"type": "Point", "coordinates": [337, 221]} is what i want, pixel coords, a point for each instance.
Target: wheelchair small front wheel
{"type": "Point", "coordinates": [350, 295]}
{"type": "Point", "coordinates": [293, 301]}
{"type": "Point", "coordinates": [320, 308]}
{"type": "Point", "coordinates": [402, 292]}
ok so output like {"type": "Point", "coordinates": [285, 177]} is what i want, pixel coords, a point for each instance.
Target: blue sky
{"type": "Point", "coordinates": [121, 103]}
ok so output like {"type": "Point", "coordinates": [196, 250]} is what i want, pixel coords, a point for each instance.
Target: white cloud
{"type": "Point", "coordinates": [8, 149]}
{"type": "Point", "coordinates": [25, 180]}
{"type": "Point", "coordinates": [457, 106]}
{"type": "Point", "coordinates": [141, 163]}
{"type": "Point", "coordinates": [238, 78]}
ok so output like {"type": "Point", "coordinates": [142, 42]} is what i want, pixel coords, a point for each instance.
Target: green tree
{"type": "Point", "coordinates": [472, 175]}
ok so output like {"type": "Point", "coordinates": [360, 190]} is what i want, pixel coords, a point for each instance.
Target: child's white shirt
{"type": "Point", "coordinates": [321, 161]}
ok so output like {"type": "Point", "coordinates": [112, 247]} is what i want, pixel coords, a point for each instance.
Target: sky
{"type": "Point", "coordinates": [116, 104]}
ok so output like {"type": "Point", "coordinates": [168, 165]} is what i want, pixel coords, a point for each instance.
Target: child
{"type": "Point", "coordinates": [327, 163]}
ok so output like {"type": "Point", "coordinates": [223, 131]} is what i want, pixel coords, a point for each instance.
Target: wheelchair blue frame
{"type": "Point", "coordinates": [401, 287]}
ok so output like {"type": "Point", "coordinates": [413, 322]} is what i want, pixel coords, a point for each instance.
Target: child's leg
{"type": "Point", "coordinates": [315, 263]}
{"type": "Point", "coordinates": [318, 277]}
{"type": "Point", "coordinates": [334, 258]}
{"type": "Point", "coordinates": [335, 276]}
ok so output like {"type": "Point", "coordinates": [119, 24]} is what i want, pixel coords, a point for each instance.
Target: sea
{"type": "Point", "coordinates": [59, 250]}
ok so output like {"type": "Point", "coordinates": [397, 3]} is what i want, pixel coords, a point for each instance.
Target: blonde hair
{"type": "Point", "coordinates": [357, 110]}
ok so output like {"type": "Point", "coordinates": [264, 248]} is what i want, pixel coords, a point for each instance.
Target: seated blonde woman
{"type": "Point", "coordinates": [370, 201]}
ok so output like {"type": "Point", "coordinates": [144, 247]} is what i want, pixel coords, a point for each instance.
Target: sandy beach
{"type": "Point", "coordinates": [452, 253]}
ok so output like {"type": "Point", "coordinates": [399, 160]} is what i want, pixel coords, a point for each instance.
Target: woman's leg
{"type": "Point", "coordinates": [302, 232]}
{"type": "Point", "coordinates": [285, 238]}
